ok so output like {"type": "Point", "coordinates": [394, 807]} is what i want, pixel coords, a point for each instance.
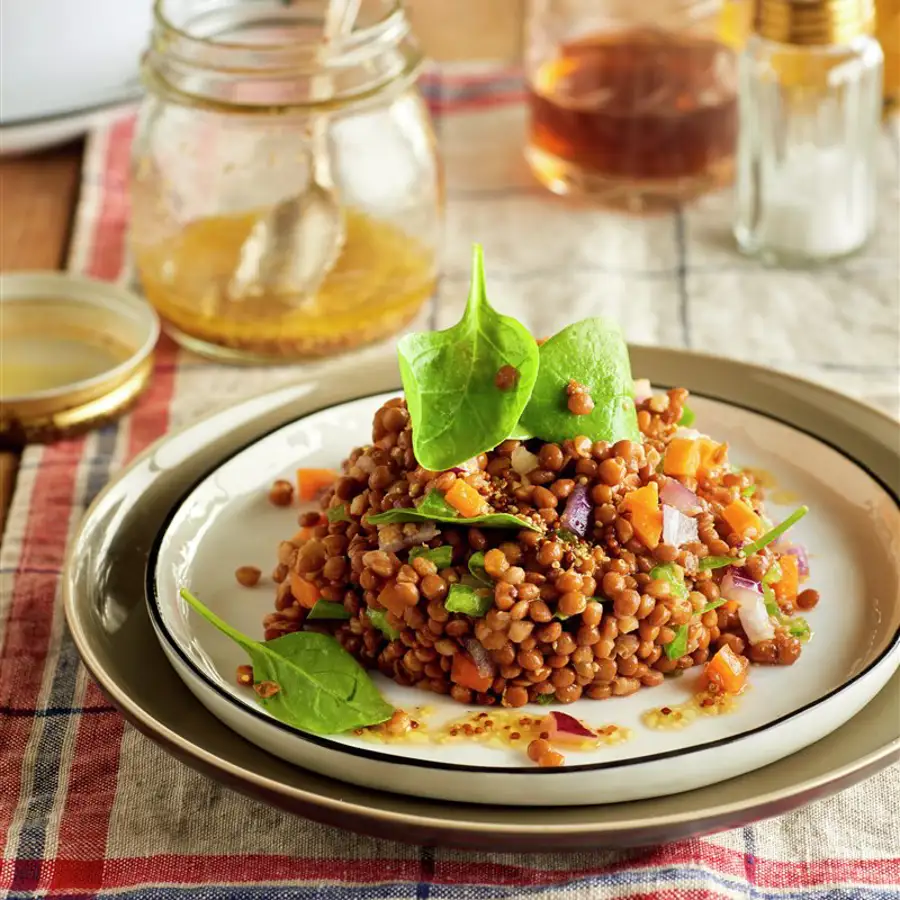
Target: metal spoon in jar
{"type": "Point", "coordinates": [289, 252]}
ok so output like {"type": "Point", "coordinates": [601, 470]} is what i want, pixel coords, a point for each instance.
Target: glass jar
{"type": "Point", "coordinates": [633, 104]}
{"type": "Point", "coordinates": [237, 92]}
{"type": "Point", "coordinates": [811, 95]}
{"type": "Point", "coordinates": [888, 19]}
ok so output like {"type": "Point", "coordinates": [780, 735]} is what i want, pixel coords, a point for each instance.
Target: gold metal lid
{"type": "Point", "coordinates": [813, 22]}
{"type": "Point", "coordinates": [74, 354]}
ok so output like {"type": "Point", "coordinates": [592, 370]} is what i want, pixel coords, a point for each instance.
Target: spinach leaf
{"type": "Point", "coordinates": [326, 609]}
{"type": "Point", "coordinates": [440, 556]}
{"type": "Point", "coordinates": [713, 604]}
{"type": "Point", "coordinates": [687, 417]}
{"type": "Point", "coordinates": [476, 567]}
{"type": "Point", "coordinates": [449, 377]}
{"type": "Point", "coordinates": [748, 491]}
{"type": "Point", "coordinates": [321, 687]}
{"type": "Point", "coordinates": [378, 617]}
{"type": "Point", "coordinates": [776, 532]}
{"type": "Point", "coordinates": [474, 602]}
{"type": "Point", "coordinates": [593, 353]}
{"type": "Point", "coordinates": [338, 513]}
{"type": "Point", "coordinates": [671, 573]}
{"type": "Point", "coordinates": [545, 699]}
{"type": "Point", "coordinates": [678, 646]}
{"type": "Point", "coordinates": [435, 506]}
{"type": "Point", "coordinates": [423, 513]}
{"type": "Point", "coordinates": [718, 562]}
{"type": "Point", "coordinates": [715, 562]}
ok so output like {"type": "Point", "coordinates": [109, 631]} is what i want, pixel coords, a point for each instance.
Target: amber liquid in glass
{"type": "Point", "coordinates": [636, 118]}
{"type": "Point", "coordinates": [380, 281]}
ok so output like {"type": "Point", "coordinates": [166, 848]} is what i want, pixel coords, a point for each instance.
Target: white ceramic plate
{"type": "Point", "coordinates": [852, 533]}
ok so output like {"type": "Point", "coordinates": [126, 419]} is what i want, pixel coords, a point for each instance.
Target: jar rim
{"type": "Point", "coordinates": [189, 62]}
{"type": "Point", "coordinates": [394, 16]}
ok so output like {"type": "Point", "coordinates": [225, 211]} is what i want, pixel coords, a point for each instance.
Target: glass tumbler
{"type": "Point", "coordinates": [239, 96]}
{"type": "Point", "coordinates": [632, 104]}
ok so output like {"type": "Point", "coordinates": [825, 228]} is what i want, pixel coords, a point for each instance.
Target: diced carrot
{"type": "Point", "coordinates": [311, 481]}
{"type": "Point", "coordinates": [788, 585]}
{"type": "Point", "coordinates": [740, 516]}
{"type": "Point", "coordinates": [302, 536]}
{"type": "Point", "coordinates": [712, 456]}
{"type": "Point", "coordinates": [465, 499]}
{"type": "Point", "coordinates": [465, 673]}
{"type": "Point", "coordinates": [646, 516]}
{"type": "Point", "coordinates": [727, 670]}
{"type": "Point", "coordinates": [682, 457]}
{"type": "Point", "coordinates": [305, 592]}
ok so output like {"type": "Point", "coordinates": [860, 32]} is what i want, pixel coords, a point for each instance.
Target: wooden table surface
{"type": "Point", "coordinates": [38, 197]}
{"type": "Point", "coordinates": [39, 193]}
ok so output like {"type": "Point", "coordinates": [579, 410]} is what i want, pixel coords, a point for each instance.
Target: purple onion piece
{"type": "Point", "coordinates": [481, 658]}
{"type": "Point", "coordinates": [799, 551]}
{"type": "Point", "coordinates": [395, 537]}
{"type": "Point", "coordinates": [751, 607]}
{"type": "Point", "coordinates": [577, 514]}
{"type": "Point", "coordinates": [678, 529]}
{"type": "Point", "coordinates": [674, 493]}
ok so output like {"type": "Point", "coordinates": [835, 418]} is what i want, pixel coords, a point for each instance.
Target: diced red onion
{"type": "Point", "coordinates": [577, 513]}
{"type": "Point", "coordinates": [523, 460]}
{"type": "Point", "coordinates": [642, 390]}
{"type": "Point", "coordinates": [481, 658]}
{"type": "Point", "coordinates": [751, 607]}
{"type": "Point", "coordinates": [562, 728]}
{"type": "Point", "coordinates": [395, 537]}
{"type": "Point", "coordinates": [678, 529]}
{"type": "Point", "coordinates": [674, 493]}
{"type": "Point", "coordinates": [784, 547]}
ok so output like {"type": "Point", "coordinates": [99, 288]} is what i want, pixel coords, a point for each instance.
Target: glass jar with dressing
{"type": "Point", "coordinates": [255, 124]}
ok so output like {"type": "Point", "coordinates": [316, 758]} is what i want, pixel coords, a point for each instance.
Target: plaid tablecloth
{"type": "Point", "coordinates": [89, 808]}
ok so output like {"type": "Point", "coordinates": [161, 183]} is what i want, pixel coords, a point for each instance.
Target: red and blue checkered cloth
{"type": "Point", "coordinates": [89, 808]}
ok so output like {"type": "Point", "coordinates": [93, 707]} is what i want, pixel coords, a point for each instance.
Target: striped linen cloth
{"type": "Point", "coordinates": [90, 808]}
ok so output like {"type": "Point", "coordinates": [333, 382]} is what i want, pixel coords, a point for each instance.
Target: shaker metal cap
{"type": "Point", "coordinates": [74, 354]}
{"type": "Point", "coordinates": [813, 22]}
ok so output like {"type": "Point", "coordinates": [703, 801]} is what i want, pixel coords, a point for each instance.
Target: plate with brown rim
{"type": "Point", "coordinates": [158, 483]}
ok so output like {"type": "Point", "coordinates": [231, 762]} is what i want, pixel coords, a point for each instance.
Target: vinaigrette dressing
{"type": "Point", "coordinates": [379, 283]}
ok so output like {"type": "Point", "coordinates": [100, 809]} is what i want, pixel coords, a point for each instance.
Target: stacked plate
{"type": "Point", "coordinates": [56, 82]}
{"type": "Point", "coordinates": [197, 500]}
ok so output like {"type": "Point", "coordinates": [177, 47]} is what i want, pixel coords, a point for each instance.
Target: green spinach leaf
{"type": "Point", "coordinates": [424, 513]}
{"type": "Point", "coordinates": [545, 699]}
{"type": "Point", "coordinates": [321, 687]}
{"type": "Point", "coordinates": [338, 513]}
{"type": "Point", "coordinates": [672, 573]}
{"type": "Point", "coordinates": [469, 601]}
{"type": "Point", "coordinates": [476, 567]}
{"type": "Point", "coordinates": [327, 609]}
{"type": "Point", "coordinates": [378, 617]}
{"type": "Point", "coordinates": [718, 562]}
{"type": "Point", "coordinates": [687, 417]}
{"type": "Point", "coordinates": [449, 377]}
{"type": "Point", "coordinates": [593, 353]}
{"type": "Point", "coordinates": [678, 645]}
{"type": "Point", "coordinates": [713, 604]}
{"type": "Point", "coordinates": [440, 556]}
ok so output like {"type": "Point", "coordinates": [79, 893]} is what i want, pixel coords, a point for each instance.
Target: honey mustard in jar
{"type": "Point", "coordinates": [238, 105]}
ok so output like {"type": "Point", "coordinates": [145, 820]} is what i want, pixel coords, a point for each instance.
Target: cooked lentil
{"type": "Point", "coordinates": [568, 618]}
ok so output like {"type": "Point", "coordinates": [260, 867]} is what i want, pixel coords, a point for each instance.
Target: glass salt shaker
{"type": "Point", "coordinates": [810, 111]}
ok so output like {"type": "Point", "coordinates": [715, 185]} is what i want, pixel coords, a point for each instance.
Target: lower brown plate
{"type": "Point", "coordinates": [103, 589]}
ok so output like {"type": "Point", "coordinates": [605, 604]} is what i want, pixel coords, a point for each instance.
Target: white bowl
{"type": "Point", "coordinates": [59, 57]}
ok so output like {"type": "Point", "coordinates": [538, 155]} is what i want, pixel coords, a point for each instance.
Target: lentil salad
{"type": "Point", "coordinates": [603, 546]}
